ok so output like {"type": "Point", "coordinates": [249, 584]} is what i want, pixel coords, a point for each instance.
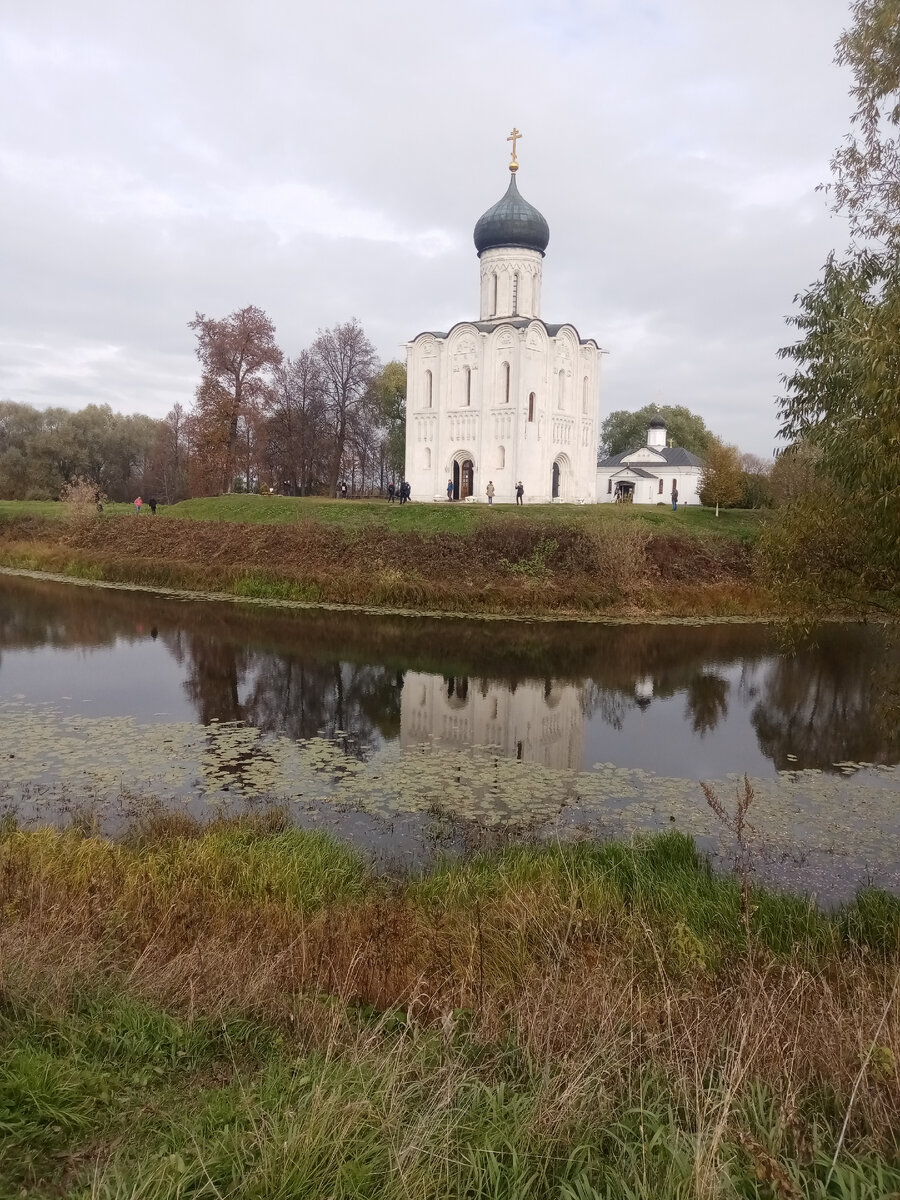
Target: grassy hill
{"type": "Point", "coordinates": [421, 518]}
{"type": "Point", "coordinates": [460, 518]}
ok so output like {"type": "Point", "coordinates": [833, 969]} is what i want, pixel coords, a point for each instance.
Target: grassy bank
{"type": "Point", "coordinates": [245, 1011]}
{"type": "Point", "coordinates": [419, 518]}
{"type": "Point", "coordinates": [467, 559]}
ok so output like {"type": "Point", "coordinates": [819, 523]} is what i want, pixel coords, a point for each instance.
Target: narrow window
{"type": "Point", "coordinates": [427, 458]}
{"type": "Point", "coordinates": [515, 298]}
{"type": "Point", "coordinates": [609, 486]}
{"type": "Point", "coordinates": [584, 396]}
{"type": "Point", "coordinates": [674, 484]}
{"type": "Point", "coordinates": [468, 386]}
{"type": "Point", "coordinates": [428, 389]}
{"type": "Point", "coordinates": [506, 383]}
{"type": "Point", "coordinates": [495, 285]}
{"type": "Point", "coordinates": [660, 487]}
{"type": "Point", "coordinates": [531, 407]}
{"type": "Point", "coordinates": [562, 389]}
{"type": "Point", "coordinates": [501, 457]}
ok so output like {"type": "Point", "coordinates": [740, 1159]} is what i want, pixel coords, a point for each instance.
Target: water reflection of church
{"type": "Point", "coordinates": [535, 722]}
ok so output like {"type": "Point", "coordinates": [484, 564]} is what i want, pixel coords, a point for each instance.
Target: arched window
{"type": "Point", "coordinates": [428, 393]}
{"type": "Point", "coordinates": [531, 407]}
{"type": "Point", "coordinates": [584, 396]}
{"type": "Point", "coordinates": [495, 286]}
{"type": "Point", "coordinates": [515, 295]}
{"type": "Point", "coordinates": [506, 383]}
{"type": "Point", "coordinates": [501, 457]}
{"type": "Point", "coordinates": [468, 386]}
{"type": "Point", "coordinates": [427, 457]}
{"type": "Point", "coordinates": [660, 487]}
{"type": "Point", "coordinates": [609, 486]}
{"type": "Point", "coordinates": [560, 399]}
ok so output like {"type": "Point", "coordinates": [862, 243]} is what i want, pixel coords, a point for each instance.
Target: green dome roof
{"type": "Point", "coordinates": [512, 221]}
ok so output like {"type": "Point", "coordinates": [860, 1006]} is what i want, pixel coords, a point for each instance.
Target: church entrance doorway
{"type": "Point", "coordinates": [554, 491]}
{"type": "Point", "coordinates": [463, 479]}
{"type": "Point", "coordinates": [463, 476]}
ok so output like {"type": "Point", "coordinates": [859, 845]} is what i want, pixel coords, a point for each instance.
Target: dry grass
{"type": "Point", "coordinates": [507, 566]}
{"type": "Point", "coordinates": [600, 965]}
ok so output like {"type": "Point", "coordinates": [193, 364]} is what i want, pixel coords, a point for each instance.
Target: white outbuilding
{"type": "Point", "coordinates": [507, 398]}
{"type": "Point", "coordinates": [650, 473]}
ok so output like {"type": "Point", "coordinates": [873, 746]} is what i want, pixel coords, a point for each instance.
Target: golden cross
{"type": "Point", "coordinates": [514, 137]}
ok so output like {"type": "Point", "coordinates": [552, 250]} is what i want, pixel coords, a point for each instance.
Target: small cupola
{"type": "Point", "coordinates": [656, 434]}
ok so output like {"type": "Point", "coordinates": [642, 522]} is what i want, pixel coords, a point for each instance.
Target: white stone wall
{"type": "Point", "coordinates": [646, 491]}
{"type": "Point", "coordinates": [510, 283]}
{"type": "Point", "coordinates": [460, 406]}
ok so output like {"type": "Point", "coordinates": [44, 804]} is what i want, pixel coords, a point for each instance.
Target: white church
{"type": "Point", "coordinates": [651, 474]}
{"type": "Point", "coordinates": [507, 398]}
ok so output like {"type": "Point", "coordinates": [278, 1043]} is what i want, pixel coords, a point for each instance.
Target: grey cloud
{"type": "Point", "coordinates": [325, 161]}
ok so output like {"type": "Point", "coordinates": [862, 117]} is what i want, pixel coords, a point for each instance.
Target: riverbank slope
{"type": "Point", "coordinates": [471, 559]}
{"type": "Point", "coordinates": [245, 1010]}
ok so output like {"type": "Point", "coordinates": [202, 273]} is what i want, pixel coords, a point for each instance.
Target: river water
{"type": "Point", "coordinates": [409, 735]}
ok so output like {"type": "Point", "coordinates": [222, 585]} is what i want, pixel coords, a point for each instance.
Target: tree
{"type": "Point", "coordinates": [866, 169]}
{"type": "Point", "coordinates": [238, 355]}
{"type": "Point", "coordinates": [795, 473]}
{"type": "Point", "coordinates": [295, 407]}
{"type": "Point", "coordinates": [389, 396]}
{"type": "Point", "coordinates": [347, 361]}
{"type": "Point", "coordinates": [842, 397]}
{"type": "Point", "coordinates": [170, 456]}
{"type": "Point", "coordinates": [756, 483]}
{"type": "Point", "coordinates": [720, 483]}
{"type": "Point", "coordinates": [624, 430]}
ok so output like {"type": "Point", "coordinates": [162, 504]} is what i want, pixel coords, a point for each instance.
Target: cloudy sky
{"type": "Point", "coordinates": [328, 160]}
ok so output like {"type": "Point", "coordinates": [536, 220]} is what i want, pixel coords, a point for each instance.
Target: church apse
{"type": "Point", "coordinates": [541, 723]}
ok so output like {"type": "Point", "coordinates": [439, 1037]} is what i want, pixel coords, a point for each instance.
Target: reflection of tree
{"type": "Point", "coordinates": [321, 673]}
{"type": "Point", "coordinates": [610, 706]}
{"type": "Point", "coordinates": [707, 702]}
{"type": "Point", "coordinates": [820, 704]}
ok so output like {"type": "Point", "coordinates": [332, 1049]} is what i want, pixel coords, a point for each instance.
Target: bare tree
{"type": "Point", "coordinates": [347, 361]}
{"type": "Point", "coordinates": [295, 408]}
{"type": "Point", "coordinates": [237, 354]}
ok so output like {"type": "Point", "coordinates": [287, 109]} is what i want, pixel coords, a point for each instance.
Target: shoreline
{"type": "Point", "coordinates": [564, 617]}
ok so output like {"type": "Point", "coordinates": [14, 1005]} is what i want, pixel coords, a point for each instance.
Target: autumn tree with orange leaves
{"type": "Point", "coordinates": [238, 355]}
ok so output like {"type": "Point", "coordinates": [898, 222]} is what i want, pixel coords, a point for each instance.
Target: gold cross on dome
{"type": "Point", "coordinates": [514, 137]}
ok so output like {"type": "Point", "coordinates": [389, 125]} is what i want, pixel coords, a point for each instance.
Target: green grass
{"type": "Point", "coordinates": [421, 518]}
{"type": "Point", "coordinates": [115, 1098]}
{"type": "Point", "coordinates": [458, 518]}
{"type": "Point", "coordinates": [556, 1023]}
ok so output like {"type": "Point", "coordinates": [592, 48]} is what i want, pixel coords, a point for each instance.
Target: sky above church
{"type": "Point", "coordinates": [330, 160]}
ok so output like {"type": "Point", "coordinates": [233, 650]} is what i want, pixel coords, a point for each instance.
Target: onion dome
{"type": "Point", "coordinates": [657, 423]}
{"type": "Point", "coordinates": [512, 222]}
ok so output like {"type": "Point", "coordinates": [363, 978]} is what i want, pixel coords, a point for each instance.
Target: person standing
{"type": "Point", "coordinates": [137, 505]}
{"type": "Point", "coordinates": [391, 490]}
{"type": "Point", "coordinates": [343, 491]}
{"type": "Point", "coordinates": [490, 491]}
{"type": "Point", "coordinates": [407, 491]}
{"type": "Point", "coordinates": [152, 503]}
{"type": "Point", "coordinates": [449, 489]}
{"type": "Point", "coordinates": [674, 498]}
{"type": "Point", "coordinates": [520, 492]}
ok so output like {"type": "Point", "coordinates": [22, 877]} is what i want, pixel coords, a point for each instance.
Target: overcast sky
{"type": "Point", "coordinates": [329, 160]}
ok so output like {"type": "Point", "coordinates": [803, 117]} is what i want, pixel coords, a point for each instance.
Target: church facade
{"type": "Point", "coordinates": [508, 398]}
